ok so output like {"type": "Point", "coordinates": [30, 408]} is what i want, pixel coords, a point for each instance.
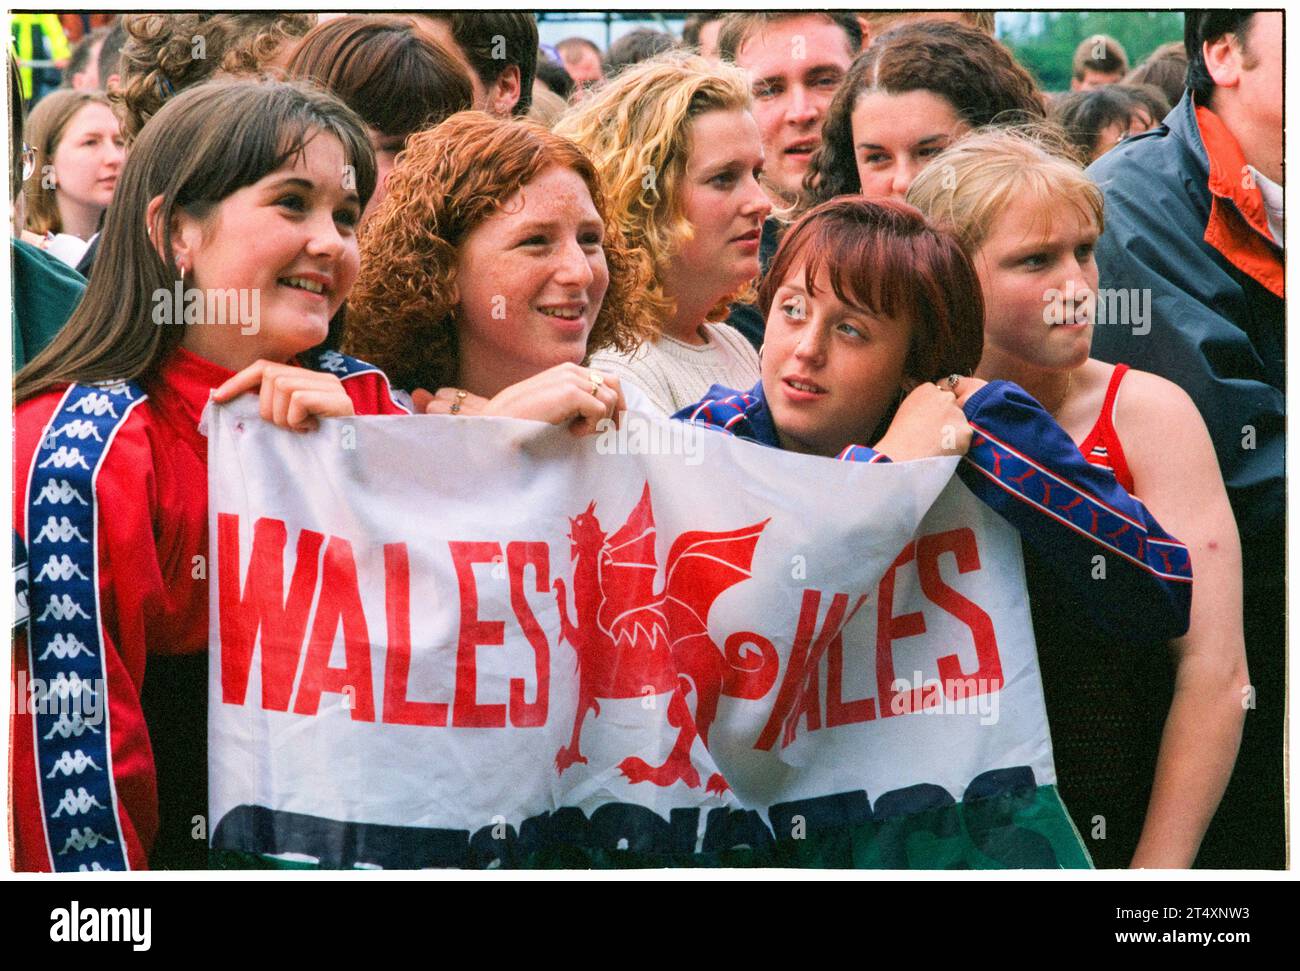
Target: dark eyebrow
{"type": "Point", "coordinates": [921, 141]}
{"type": "Point", "coordinates": [298, 182]}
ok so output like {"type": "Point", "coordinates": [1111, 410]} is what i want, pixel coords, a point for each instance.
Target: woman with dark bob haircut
{"type": "Point", "coordinates": [913, 91]}
{"type": "Point", "coordinates": [490, 274]}
{"type": "Point", "coordinates": [399, 80]}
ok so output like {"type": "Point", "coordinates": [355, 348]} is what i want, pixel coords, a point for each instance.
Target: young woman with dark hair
{"type": "Point", "coordinates": [397, 78]}
{"type": "Point", "coordinates": [913, 91]}
{"type": "Point", "coordinates": [236, 189]}
{"type": "Point", "coordinates": [872, 316]}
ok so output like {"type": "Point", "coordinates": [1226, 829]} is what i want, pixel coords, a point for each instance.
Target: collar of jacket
{"type": "Point", "coordinates": [1238, 224]}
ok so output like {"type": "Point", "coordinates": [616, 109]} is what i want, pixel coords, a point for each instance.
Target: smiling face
{"type": "Point", "coordinates": [725, 205]}
{"type": "Point", "coordinates": [1039, 280]}
{"type": "Point", "coordinates": [831, 370]}
{"type": "Point", "coordinates": [88, 159]}
{"type": "Point", "coordinates": [531, 279]}
{"type": "Point", "coordinates": [794, 67]}
{"type": "Point", "coordinates": [895, 136]}
{"type": "Point", "coordinates": [290, 238]}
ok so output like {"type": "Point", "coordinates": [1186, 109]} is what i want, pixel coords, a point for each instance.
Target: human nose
{"type": "Point", "coordinates": [574, 269]}
{"type": "Point", "coordinates": [757, 202]}
{"type": "Point", "coordinates": [802, 106]}
{"type": "Point", "coordinates": [326, 239]}
{"type": "Point", "coordinates": [811, 346]}
{"type": "Point", "coordinates": [905, 171]}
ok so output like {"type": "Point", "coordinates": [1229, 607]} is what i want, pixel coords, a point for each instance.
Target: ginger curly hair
{"type": "Point", "coordinates": [637, 128]}
{"type": "Point", "coordinates": [159, 57]}
{"type": "Point", "coordinates": [450, 178]}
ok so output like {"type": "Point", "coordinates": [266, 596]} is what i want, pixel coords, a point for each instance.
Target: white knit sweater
{"type": "Point", "coordinates": [674, 374]}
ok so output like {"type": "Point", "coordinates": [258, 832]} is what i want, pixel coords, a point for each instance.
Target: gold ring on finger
{"type": "Point", "coordinates": [597, 379]}
{"type": "Point", "coordinates": [461, 395]}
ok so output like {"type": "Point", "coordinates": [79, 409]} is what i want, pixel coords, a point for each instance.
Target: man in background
{"type": "Point", "coordinates": [1194, 230]}
{"type": "Point", "coordinates": [497, 47]}
{"type": "Point", "coordinates": [1098, 61]}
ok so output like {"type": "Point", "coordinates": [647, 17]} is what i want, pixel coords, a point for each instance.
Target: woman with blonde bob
{"type": "Point", "coordinates": [681, 155]}
{"type": "Point", "coordinates": [1029, 219]}
{"type": "Point", "coordinates": [490, 276]}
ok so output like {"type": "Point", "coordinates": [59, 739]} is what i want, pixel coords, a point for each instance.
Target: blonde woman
{"type": "Point", "coordinates": [1029, 219]}
{"type": "Point", "coordinates": [681, 156]}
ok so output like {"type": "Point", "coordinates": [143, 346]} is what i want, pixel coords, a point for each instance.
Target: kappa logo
{"type": "Point", "coordinates": [67, 727]}
{"type": "Point", "coordinates": [65, 647]}
{"type": "Point", "coordinates": [77, 762]}
{"type": "Point", "coordinates": [333, 361]}
{"type": "Point", "coordinates": [94, 404]}
{"type": "Point", "coordinates": [59, 530]}
{"type": "Point", "coordinates": [83, 839]}
{"type": "Point", "coordinates": [71, 687]}
{"type": "Point", "coordinates": [66, 458]}
{"type": "Point", "coordinates": [78, 428]}
{"type": "Point", "coordinates": [60, 568]}
{"type": "Point", "coordinates": [62, 608]}
{"type": "Point", "coordinates": [116, 388]}
{"type": "Point", "coordinates": [60, 492]}
{"type": "Point", "coordinates": [76, 803]}
{"type": "Point", "coordinates": [628, 637]}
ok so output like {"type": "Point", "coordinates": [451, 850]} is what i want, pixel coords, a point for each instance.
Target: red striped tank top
{"type": "Point", "coordinates": [1102, 446]}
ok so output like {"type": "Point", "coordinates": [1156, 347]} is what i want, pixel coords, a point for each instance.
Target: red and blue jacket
{"type": "Point", "coordinates": [1068, 512]}
{"type": "Point", "coordinates": [111, 541]}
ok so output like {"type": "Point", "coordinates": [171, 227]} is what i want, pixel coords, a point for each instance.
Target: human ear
{"type": "Point", "coordinates": [505, 92]}
{"type": "Point", "coordinates": [186, 234]}
{"type": "Point", "coordinates": [1223, 60]}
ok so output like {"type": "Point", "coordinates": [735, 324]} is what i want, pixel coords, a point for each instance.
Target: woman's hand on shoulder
{"type": "Point", "coordinates": [569, 394]}
{"type": "Point", "coordinates": [290, 397]}
{"type": "Point", "coordinates": [928, 423]}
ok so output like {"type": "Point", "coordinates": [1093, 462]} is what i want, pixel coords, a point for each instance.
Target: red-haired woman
{"type": "Point", "coordinates": [490, 274]}
{"type": "Point", "coordinates": [871, 316]}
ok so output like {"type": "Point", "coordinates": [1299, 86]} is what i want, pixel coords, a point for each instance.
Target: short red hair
{"type": "Point", "coordinates": [885, 257]}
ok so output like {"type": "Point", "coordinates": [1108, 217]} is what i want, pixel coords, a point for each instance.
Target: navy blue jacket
{"type": "Point", "coordinates": [1067, 511]}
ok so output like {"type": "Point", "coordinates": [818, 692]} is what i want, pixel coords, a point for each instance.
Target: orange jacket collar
{"type": "Point", "coordinates": [1238, 226]}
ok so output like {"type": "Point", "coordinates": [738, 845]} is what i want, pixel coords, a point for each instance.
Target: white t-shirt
{"type": "Point", "coordinates": [1272, 193]}
{"type": "Point", "coordinates": [674, 374]}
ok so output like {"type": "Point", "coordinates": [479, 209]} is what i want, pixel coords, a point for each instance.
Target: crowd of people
{"type": "Point", "coordinates": [837, 234]}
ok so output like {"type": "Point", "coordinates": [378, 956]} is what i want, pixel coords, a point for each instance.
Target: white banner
{"type": "Point", "coordinates": [453, 641]}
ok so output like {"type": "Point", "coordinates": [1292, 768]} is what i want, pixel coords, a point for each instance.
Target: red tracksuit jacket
{"type": "Point", "coordinates": [111, 507]}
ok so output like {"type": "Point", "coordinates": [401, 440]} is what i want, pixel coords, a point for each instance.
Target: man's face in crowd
{"type": "Point", "coordinates": [709, 38]}
{"type": "Point", "coordinates": [1261, 69]}
{"type": "Point", "coordinates": [585, 69]}
{"type": "Point", "coordinates": [794, 67]}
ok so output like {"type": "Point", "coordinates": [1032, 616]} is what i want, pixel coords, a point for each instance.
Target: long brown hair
{"type": "Point", "coordinates": [964, 66]}
{"type": "Point", "coordinates": [211, 140]}
{"type": "Point", "coordinates": [401, 316]}
{"type": "Point", "coordinates": [45, 129]}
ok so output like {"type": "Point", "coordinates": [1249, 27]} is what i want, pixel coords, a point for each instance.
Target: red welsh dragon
{"type": "Point", "coordinates": [631, 641]}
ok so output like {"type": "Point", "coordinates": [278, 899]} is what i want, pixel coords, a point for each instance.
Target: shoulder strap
{"type": "Point", "coordinates": [69, 689]}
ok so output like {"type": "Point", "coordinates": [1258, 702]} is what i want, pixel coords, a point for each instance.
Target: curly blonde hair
{"type": "Point", "coordinates": [450, 178]}
{"type": "Point", "coordinates": [167, 52]}
{"type": "Point", "coordinates": [637, 129]}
